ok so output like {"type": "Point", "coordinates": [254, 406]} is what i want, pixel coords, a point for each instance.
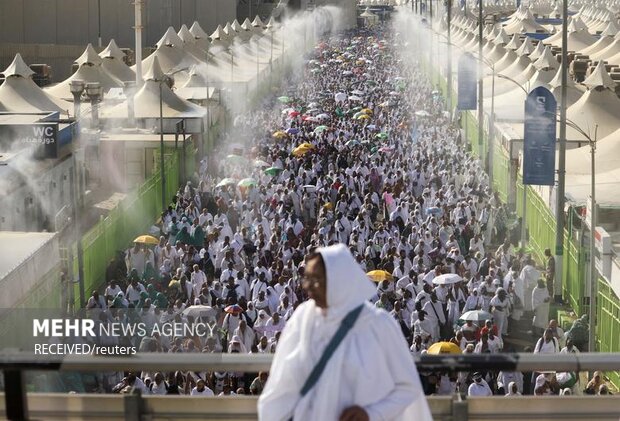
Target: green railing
{"type": "Point", "coordinates": [132, 217]}
{"type": "Point", "coordinates": [608, 324]}
{"type": "Point", "coordinates": [501, 172]}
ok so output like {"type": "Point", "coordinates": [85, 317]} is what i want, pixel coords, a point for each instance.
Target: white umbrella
{"type": "Point", "coordinates": [323, 116]}
{"type": "Point", "coordinates": [354, 98]}
{"type": "Point", "coordinates": [422, 113]}
{"type": "Point", "coordinates": [197, 311]}
{"type": "Point", "coordinates": [340, 97]}
{"type": "Point", "coordinates": [447, 279]}
{"type": "Point", "coordinates": [310, 188]}
{"type": "Point", "coordinates": [357, 92]}
{"type": "Point", "coordinates": [261, 163]}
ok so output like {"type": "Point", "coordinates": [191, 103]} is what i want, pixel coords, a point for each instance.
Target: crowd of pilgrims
{"type": "Point", "coordinates": [397, 185]}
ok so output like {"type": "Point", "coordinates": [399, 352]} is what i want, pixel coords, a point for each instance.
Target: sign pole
{"type": "Point", "coordinates": [593, 277]}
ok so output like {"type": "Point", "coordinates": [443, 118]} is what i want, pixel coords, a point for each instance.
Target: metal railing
{"type": "Point", "coordinates": [16, 399]}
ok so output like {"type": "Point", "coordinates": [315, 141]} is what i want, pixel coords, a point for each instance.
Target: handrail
{"type": "Point", "coordinates": [262, 362]}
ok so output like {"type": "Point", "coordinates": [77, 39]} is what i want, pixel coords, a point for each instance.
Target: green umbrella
{"type": "Point", "coordinates": [382, 135]}
{"type": "Point", "coordinates": [352, 143]}
{"type": "Point", "coordinates": [320, 129]}
{"type": "Point", "coordinates": [247, 182]}
{"type": "Point", "coordinates": [371, 82]}
{"type": "Point", "coordinates": [225, 182]}
{"type": "Point", "coordinates": [339, 112]}
{"type": "Point", "coordinates": [273, 171]}
{"type": "Point", "coordinates": [284, 99]}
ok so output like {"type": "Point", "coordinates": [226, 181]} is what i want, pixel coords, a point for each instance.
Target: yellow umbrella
{"type": "Point", "coordinates": [363, 117]}
{"type": "Point", "coordinates": [379, 275]}
{"type": "Point", "coordinates": [146, 239]}
{"type": "Point", "coordinates": [444, 348]}
{"type": "Point", "coordinates": [328, 205]}
{"type": "Point", "coordinates": [366, 111]}
{"type": "Point", "coordinates": [279, 134]}
{"type": "Point", "coordinates": [301, 151]}
{"type": "Point", "coordinates": [306, 145]}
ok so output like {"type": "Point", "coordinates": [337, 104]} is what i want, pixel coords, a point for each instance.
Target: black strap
{"type": "Point", "coordinates": [347, 323]}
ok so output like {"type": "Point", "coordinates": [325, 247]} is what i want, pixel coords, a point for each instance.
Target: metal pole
{"type": "Point", "coordinates": [99, 23]}
{"type": "Point", "coordinates": [138, 46]}
{"type": "Point", "coordinates": [593, 277]}
{"type": "Point", "coordinates": [180, 13]}
{"type": "Point", "coordinates": [480, 86]}
{"type": "Point", "coordinates": [559, 208]}
{"type": "Point", "coordinates": [492, 129]}
{"type": "Point", "coordinates": [161, 146]}
{"type": "Point", "coordinates": [524, 218]}
{"type": "Point", "coordinates": [449, 87]}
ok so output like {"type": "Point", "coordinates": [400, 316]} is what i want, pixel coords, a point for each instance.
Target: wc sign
{"type": "Point", "coordinates": [39, 134]}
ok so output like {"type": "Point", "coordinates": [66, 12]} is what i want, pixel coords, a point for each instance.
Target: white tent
{"type": "Point", "coordinates": [578, 187]}
{"type": "Point", "coordinates": [578, 36]}
{"type": "Point", "coordinates": [112, 62]}
{"type": "Point", "coordinates": [597, 109]}
{"type": "Point", "coordinates": [90, 70]}
{"type": "Point", "coordinates": [607, 156]}
{"type": "Point", "coordinates": [19, 93]}
{"type": "Point", "coordinates": [190, 43]}
{"type": "Point", "coordinates": [201, 37]}
{"type": "Point", "coordinates": [573, 93]}
{"type": "Point", "coordinates": [147, 100]}
{"type": "Point", "coordinates": [525, 23]}
{"type": "Point", "coordinates": [606, 39]}
{"type": "Point", "coordinates": [170, 54]}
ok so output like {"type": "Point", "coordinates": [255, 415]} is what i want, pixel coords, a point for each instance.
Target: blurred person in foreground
{"type": "Point", "coordinates": [366, 373]}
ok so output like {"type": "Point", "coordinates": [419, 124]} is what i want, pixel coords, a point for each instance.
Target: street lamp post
{"type": "Point", "coordinates": [560, 199]}
{"type": "Point", "coordinates": [167, 78]}
{"type": "Point", "coordinates": [593, 277]}
{"type": "Point", "coordinates": [77, 88]}
{"type": "Point", "coordinates": [480, 86]}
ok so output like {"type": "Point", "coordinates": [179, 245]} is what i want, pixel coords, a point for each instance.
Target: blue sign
{"type": "Point", "coordinates": [467, 83]}
{"type": "Point", "coordinates": [539, 138]}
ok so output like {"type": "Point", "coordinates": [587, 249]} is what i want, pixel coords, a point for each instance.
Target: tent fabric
{"type": "Point", "coordinates": [18, 67]}
{"type": "Point", "coordinates": [89, 56]}
{"type": "Point", "coordinates": [19, 93]}
{"type": "Point", "coordinates": [578, 187]}
{"type": "Point", "coordinates": [112, 50]}
{"type": "Point", "coordinates": [88, 72]}
{"type": "Point", "coordinates": [526, 47]}
{"type": "Point", "coordinates": [599, 77]}
{"type": "Point", "coordinates": [201, 37]}
{"type": "Point", "coordinates": [578, 160]}
{"type": "Point", "coordinates": [147, 100]}
{"type": "Point", "coordinates": [597, 108]}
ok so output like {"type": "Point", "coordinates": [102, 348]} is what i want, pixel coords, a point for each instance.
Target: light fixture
{"type": "Point", "coordinates": [77, 89]}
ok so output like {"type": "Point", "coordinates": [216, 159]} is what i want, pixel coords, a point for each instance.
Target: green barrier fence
{"type": "Point", "coordinates": [608, 324]}
{"type": "Point", "coordinates": [132, 217]}
{"type": "Point", "coordinates": [501, 172]}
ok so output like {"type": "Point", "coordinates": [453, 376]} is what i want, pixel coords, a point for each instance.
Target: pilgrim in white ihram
{"type": "Point", "coordinates": [371, 368]}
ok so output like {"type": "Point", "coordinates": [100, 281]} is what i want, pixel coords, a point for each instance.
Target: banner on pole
{"type": "Point", "coordinates": [467, 83]}
{"type": "Point", "coordinates": [539, 138]}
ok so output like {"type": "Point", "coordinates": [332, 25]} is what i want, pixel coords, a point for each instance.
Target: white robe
{"type": "Point", "coordinates": [374, 352]}
{"type": "Point", "coordinates": [541, 308]}
{"type": "Point", "coordinates": [530, 276]}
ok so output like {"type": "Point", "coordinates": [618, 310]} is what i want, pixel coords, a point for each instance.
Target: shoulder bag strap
{"type": "Point", "coordinates": [345, 326]}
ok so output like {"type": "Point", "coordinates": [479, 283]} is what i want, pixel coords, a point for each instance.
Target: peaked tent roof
{"type": "Point", "coordinates": [146, 101]}
{"type": "Point", "coordinates": [18, 67]}
{"type": "Point", "coordinates": [88, 72]}
{"type": "Point", "coordinates": [89, 56]}
{"type": "Point", "coordinates": [599, 78]}
{"type": "Point", "coordinates": [112, 50]}
{"type": "Point", "coordinates": [19, 93]}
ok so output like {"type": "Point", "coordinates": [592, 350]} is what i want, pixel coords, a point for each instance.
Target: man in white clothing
{"type": "Point", "coordinates": [479, 387]}
{"type": "Point", "coordinates": [372, 348]}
